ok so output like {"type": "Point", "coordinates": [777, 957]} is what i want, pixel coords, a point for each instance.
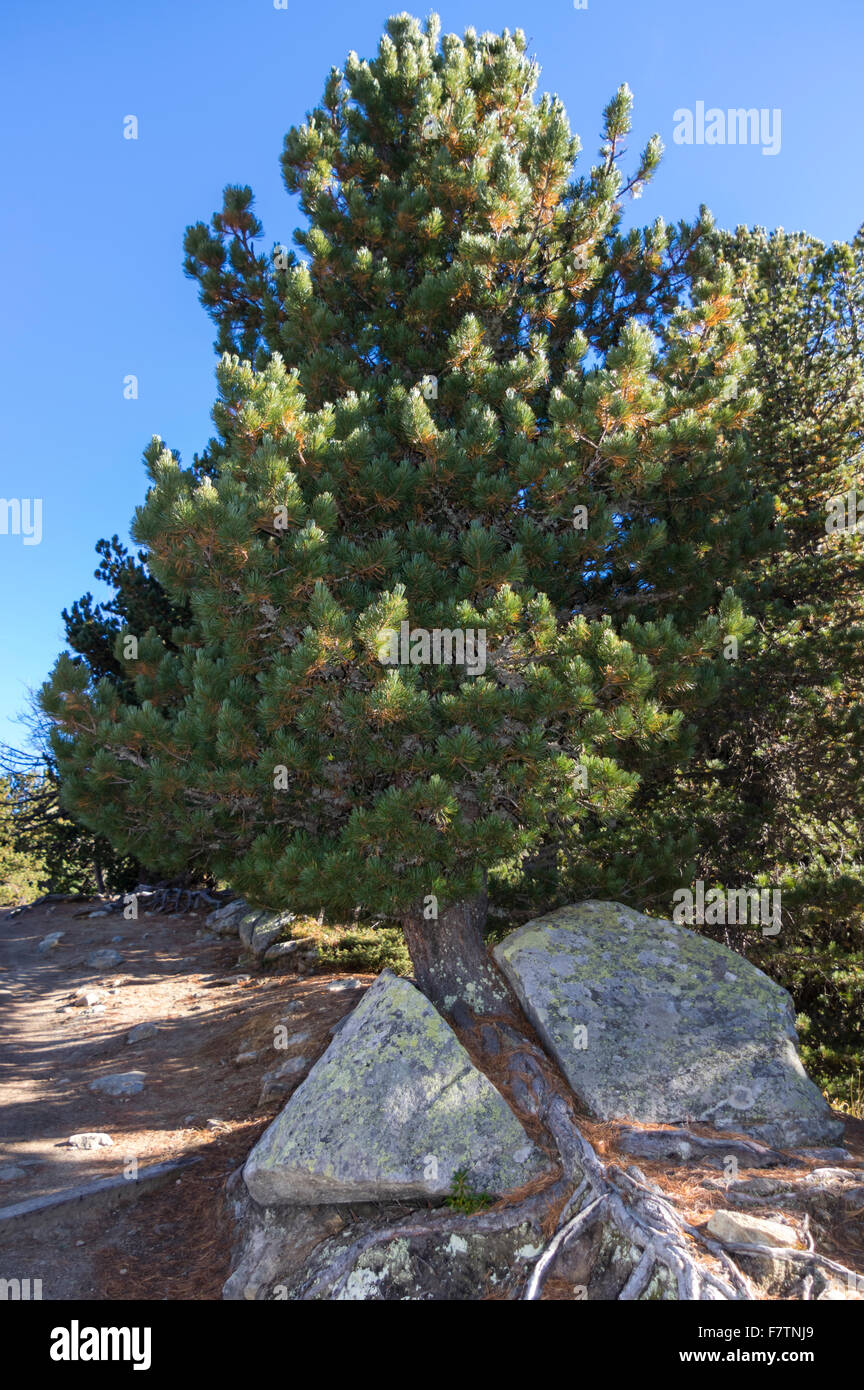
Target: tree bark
{"type": "Point", "coordinates": [451, 963]}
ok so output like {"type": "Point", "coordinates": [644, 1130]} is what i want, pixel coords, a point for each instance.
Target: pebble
{"type": "Point", "coordinates": [48, 943]}
{"type": "Point", "coordinates": [141, 1031]}
{"type": "Point", "coordinates": [90, 1140]}
{"type": "Point", "coordinates": [124, 1083]}
{"type": "Point", "coordinates": [104, 960]}
{"type": "Point", "coordinates": [86, 998]}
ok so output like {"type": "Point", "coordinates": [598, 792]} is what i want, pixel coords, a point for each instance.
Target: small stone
{"type": "Point", "coordinates": [10, 1172]}
{"type": "Point", "coordinates": [278, 1081]}
{"type": "Point", "coordinates": [225, 921]}
{"type": "Point", "coordinates": [258, 930]}
{"type": "Point", "coordinates": [104, 960]}
{"type": "Point", "coordinates": [87, 998]}
{"type": "Point", "coordinates": [292, 1066]}
{"type": "Point", "coordinates": [50, 942]}
{"type": "Point", "coordinates": [124, 1083]}
{"type": "Point", "coordinates": [141, 1031]}
{"type": "Point", "coordinates": [280, 950]}
{"type": "Point", "coordinates": [90, 1140]}
{"type": "Point", "coordinates": [338, 986]}
{"type": "Point", "coordinates": [740, 1228]}
{"type": "Point", "coordinates": [217, 1124]}
{"type": "Point", "coordinates": [244, 1058]}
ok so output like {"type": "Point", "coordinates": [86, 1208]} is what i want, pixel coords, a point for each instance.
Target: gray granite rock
{"type": "Point", "coordinates": [124, 1083]}
{"type": "Point", "coordinates": [225, 921]}
{"type": "Point", "coordinates": [652, 1022]}
{"type": "Point", "coordinates": [394, 1108]}
{"type": "Point", "coordinates": [258, 930]}
{"type": "Point", "coordinates": [105, 959]}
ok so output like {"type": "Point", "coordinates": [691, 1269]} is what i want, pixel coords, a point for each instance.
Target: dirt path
{"type": "Point", "coordinates": [197, 1100]}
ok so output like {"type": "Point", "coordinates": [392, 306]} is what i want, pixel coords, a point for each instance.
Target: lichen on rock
{"type": "Point", "coordinates": [394, 1108]}
{"type": "Point", "coordinates": [652, 1022]}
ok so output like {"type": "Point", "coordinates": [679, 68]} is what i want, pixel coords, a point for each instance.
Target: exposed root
{"type": "Point", "coordinates": [646, 1219]}
{"type": "Point", "coordinates": [564, 1233]}
{"type": "Point", "coordinates": [805, 1257]}
{"type": "Point", "coordinates": [639, 1279]}
{"type": "Point", "coordinates": [164, 899]}
{"type": "Point", "coordinates": [682, 1145]}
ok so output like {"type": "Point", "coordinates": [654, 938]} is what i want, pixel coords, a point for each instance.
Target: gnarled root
{"type": "Point", "coordinates": [599, 1192]}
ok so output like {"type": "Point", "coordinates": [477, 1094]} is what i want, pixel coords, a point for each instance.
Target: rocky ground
{"type": "Point", "coordinates": [218, 1046]}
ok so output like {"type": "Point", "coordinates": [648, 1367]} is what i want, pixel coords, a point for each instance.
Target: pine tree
{"type": "Point", "coordinates": [445, 427]}
{"type": "Point", "coordinates": [138, 603]}
{"type": "Point", "coordinates": [22, 872]}
{"type": "Point", "coordinates": [777, 789]}
{"type": "Point", "coordinates": [45, 849]}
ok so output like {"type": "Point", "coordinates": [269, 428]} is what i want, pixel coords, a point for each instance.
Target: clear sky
{"type": "Point", "coordinates": [92, 224]}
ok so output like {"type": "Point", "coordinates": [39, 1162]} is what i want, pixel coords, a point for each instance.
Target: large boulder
{"type": "Point", "coordinates": [652, 1022]}
{"type": "Point", "coordinates": [393, 1109]}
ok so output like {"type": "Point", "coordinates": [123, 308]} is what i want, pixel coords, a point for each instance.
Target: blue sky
{"type": "Point", "coordinates": [92, 224]}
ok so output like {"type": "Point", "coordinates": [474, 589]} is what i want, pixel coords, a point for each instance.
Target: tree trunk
{"type": "Point", "coordinates": [456, 973]}
{"type": "Point", "coordinates": [451, 963]}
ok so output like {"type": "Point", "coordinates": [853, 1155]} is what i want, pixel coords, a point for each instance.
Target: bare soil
{"type": "Point", "coordinates": [210, 1006]}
